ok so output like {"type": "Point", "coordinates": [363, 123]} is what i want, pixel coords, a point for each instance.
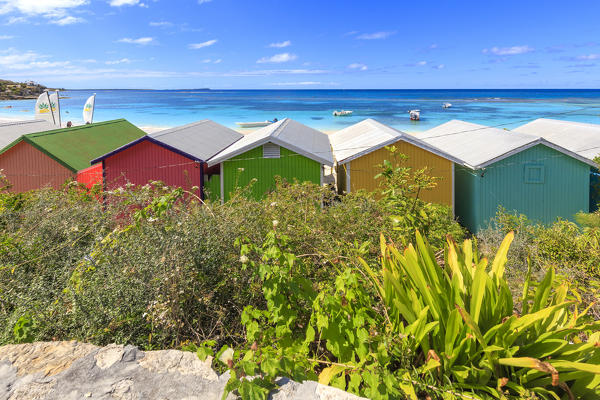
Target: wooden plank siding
{"type": "Point", "coordinates": [147, 161]}
{"type": "Point", "coordinates": [27, 168]}
{"type": "Point", "coordinates": [240, 170]}
{"type": "Point", "coordinates": [560, 188]}
{"type": "Point", "coordinates": [364, 169]}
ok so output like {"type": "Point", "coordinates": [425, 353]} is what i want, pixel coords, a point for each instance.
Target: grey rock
{"type": "Point", "coordinates": [75, 371]}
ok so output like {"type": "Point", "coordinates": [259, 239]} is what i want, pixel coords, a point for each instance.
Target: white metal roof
{"type": "Point", "coordinates": [202, 139]}
{"type": "Point", "coordinates": [287, 133]}
{"type": "Point", "coordinates": [578, 137]}
{"type": "Point", "coordinates": [369, 135]}
{"type": "Point", "coordinates": [11, 131]}
{"type": "Point", "coordinates": [479, 146]}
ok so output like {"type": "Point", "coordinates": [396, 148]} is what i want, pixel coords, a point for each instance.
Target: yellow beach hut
{"type": "Point", "coordinates": [360, 148]}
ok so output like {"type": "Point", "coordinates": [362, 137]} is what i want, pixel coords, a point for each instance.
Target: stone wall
{"type": "Point", "coordinates": [73, 370]}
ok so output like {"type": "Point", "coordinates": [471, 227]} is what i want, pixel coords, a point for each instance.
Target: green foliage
{"type": "Point", "coordinates": [23, 329]}
{"type": "Point", "coordinates": [411, 328]}
{"type": "Point", "coordinates": [572, 250]}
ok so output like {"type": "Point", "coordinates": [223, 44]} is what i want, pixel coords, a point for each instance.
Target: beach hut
{"type": "Point", "coordinates": [360, 148]}
{"type": "Point", "coordinates": [286, 148]}
{"type": "Point", "coordinates": [177, 157]}
{"type": "Point", "coordinates": [578, 137]}
{"type": "Point", "coordinates": [50, 158]}
{"type": "Point", "coordinates": [519, 172]}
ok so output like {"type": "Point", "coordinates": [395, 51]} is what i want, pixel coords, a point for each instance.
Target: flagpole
{"type": "Point", "coordinates": [93, 109]}
{"type": "Point", "coordinates": [58, 108]}
{"type": "Point", "coordinates": [50, 107]}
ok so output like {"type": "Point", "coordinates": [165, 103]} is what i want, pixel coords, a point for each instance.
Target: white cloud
{"type": "Point", "coordinates": [204, 1]}
{"type": "Point", "coordinates": [121, 61]}
{"type": "Point", "coordinates": [508, 51]}
{"type": "Point", "coordinates": [55, 11]}
{"type": "Point", "coordinates": [33, 7]}
{"type": "Point", "coordinates": [358, 66]}
{"type": "Point", "coordinates": [12, 59]}
{"type": "Point", "coordinates": [68, 20]}
{"type": "Point", "coordinates": [196, 46]}
{"type": "Point", "coordinates": [439, 66]}
{"type": "Point", "coordinates": [375, 36]}
{"type": "Point", "coordinates": [6, 37]}
{"type": "Point", "coordinates": [588, 57]}
{"type": "Point", "coordinates": [278, 58]}
{"type": "Point", "coordinates": [119, 3]}
{"type": "Point", "coordinates": [16, 20]}
{"type": "Point", "coordinates": [280, 45]}
{"type": "Point", "coordinates": [421, 63]}
{"type": "Point", "coordinates": [161, 23]}
{"type": "Point", "coordinates": [141, 41]}
{"type": "Point", "coordinates": [218, 61]}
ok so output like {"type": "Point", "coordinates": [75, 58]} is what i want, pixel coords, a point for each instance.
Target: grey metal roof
{"type": "Point", "coordinates": [11, 131]}
{"type": "Point", "coordinates": [202, 139]}
{"type": "Point", "coordinates": [578, 137]}
{"type": "Point", "coordinates": [287, 133]}
{"type": "Point", "coordinates": [478, 146]}
{"type": "Point", "coordinates": [369, 135]}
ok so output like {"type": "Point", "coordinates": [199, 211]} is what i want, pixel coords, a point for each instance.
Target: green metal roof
{"type": "Point", "coordinates": [74, 147]}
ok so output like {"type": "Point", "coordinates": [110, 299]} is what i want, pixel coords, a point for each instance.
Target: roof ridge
{"type": "Point", "coordinates": [277, 130]}
{"type": "Point", "coordinates": [74, 128]}
{"type": "Point", "coordinates": [178, 128]}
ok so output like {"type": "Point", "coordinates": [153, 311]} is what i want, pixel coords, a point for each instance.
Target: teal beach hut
{"type": "Point", "coordinates": [578, 137]}
{"type": "Point", "coordinates": [522, 173]}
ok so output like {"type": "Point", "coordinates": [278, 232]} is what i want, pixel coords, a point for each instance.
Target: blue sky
{"type": "Point", "coordinates": [301, 44]}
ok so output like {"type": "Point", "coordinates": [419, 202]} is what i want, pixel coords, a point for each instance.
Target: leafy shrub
{"type": "Point", "coordinates": [411, 328]}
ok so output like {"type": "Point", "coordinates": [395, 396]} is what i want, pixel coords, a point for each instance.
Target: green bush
{"type": "Point", "coordinates": [154, 267]}
{"type": "Point", "coordinates": [410, 328]}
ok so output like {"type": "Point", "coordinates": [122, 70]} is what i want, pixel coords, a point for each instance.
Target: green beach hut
{"type": "Point", "coordinates": [520, 172]}
{"type": "Point", "coordinates": [287, 149]}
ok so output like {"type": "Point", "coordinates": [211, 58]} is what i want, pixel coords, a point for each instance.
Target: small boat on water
{"type": "Point", "coordinates": [415, 115]}
{"type": "Point", "coordinates": [446, 105]}
{"type": "Point", "coordinates": [258, 124]}
{"type": "Point", "coordinates": [342, 113]}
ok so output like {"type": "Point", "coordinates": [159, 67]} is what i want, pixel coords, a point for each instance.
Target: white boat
{"type": "Point", "coordinates": [446, 105]}
{"type": "Point", "coordinates": [258, 124]}
{"type": "Point", "coordinates": [415, 115]}
{"type": "Point", "coordinates": [342, 113]}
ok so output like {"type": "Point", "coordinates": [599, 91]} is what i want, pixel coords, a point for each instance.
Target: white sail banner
{"type": "Point", "coordinates": [55, 107]}
{"type": "Point", "coordinates": [88, 109]}
{"type": "Point", "coordinates": [43, 108]}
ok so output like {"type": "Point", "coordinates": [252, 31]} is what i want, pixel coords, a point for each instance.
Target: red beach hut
{"type": "Point", "coordinates": [177, 157]}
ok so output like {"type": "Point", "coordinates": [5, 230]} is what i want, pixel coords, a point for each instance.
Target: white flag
{"type": "Point", "coordinates": [43, 108]}
{"type": "Point", "coordinates": [55, 107]}
{"type": "Point", "coordinates": [88, 109]}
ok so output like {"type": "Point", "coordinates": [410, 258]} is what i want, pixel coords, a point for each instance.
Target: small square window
{"type": "Point", "coordinates": [534, 173]}
{"type": "Point", "coordinates": [270, 150]}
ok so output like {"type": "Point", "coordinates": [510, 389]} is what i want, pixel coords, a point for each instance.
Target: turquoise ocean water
{"type": "Point", "coordinates": [167, 108]}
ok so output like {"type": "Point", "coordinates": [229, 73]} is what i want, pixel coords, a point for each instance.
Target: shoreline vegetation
{"type": "Point", "coordinates": [377, 293]}
{"type": "Point", "coordinates": [10, 90]}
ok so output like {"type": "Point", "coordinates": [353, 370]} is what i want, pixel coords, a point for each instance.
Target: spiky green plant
{"type": "Point", "coordinates": [463, 320]}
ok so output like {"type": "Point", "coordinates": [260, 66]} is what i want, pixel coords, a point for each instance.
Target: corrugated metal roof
{"type": "Point", "coordinates": [202, 139]}
{"type": "Point", "coordinates": [11, 131]}
{"type": "Point", "coordinates": [287, 133]}
{"type": "Point", "coordinates": [74, 147]}
{"type": "Point", "coordinates": [476, 145]}
{"type": "Point", "coordinates": [479, 146]}
{"type": "Point", "coordinates": [578, 137]}
{"type": "Point", "coordinates": [369, 135]}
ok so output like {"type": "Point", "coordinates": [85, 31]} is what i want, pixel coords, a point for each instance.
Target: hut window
{"type": "Point", "coordinates": [534, 173]}
{"type": "Point", "coordinates": [270, 150]}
